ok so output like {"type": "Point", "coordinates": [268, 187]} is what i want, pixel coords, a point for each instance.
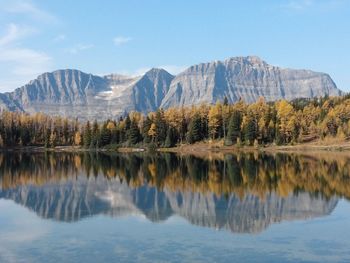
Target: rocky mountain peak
{"type": "Point", "coordinates": [73, 93]}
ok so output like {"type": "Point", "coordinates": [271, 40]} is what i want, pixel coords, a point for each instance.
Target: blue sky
{"type": "Point", "coordinates": [131, 36]}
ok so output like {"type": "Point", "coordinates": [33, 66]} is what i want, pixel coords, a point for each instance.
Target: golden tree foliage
{"type": "Point", "coordinates": [215, 120]}
{"type": "Point", "coordinates": [153, 131]}
{"type": "Point", "coordinates": [280, 122]}
{"type": "Point", "coordinates": [77, 138]}
{"type": "Point", "coordinates": [287, 119]}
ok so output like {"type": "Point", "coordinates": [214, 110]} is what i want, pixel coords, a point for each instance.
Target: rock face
{"type": "Point", "coordinates": [73, 93]}
{"type": "Point", "coordinates": [247, 78]}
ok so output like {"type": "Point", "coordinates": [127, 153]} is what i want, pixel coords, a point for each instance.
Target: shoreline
{"type": "Point", "coordinates": [197, 148]}
{"type": "Point", "coordinates": [215, 147]}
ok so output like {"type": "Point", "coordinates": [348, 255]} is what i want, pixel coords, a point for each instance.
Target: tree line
{"type": "Point", "coordinates": [260, 123]}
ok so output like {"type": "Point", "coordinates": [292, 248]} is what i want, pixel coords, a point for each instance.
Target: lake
{"type": "Point", "coordinates": [243, 207]}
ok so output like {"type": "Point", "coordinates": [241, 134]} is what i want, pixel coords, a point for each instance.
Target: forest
{"type": "Point", "coordinates": [261, 123]}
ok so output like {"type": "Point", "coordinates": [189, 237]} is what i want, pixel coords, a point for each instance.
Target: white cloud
{"type": "Point", "coordinates": [59, 38]}
{"type": "Point", "coordinates": [29, 9]}
{"type": "Point", "coordinates": [299, 4]}
{"type": "Point", "coordinates": [22, 227]}
{"type": "Point", "coordinates": [26, 62]}
{"type": "Point", "coordinates": [15, 32]}
{"type": "Point", "coordinates": [20, 54]}
{"type": "Point", "coordinates": [79, 47]}
{"type": "Point", "coordinates": [121, 40]}
{"type": "Point", "coordinates": [18, 64]}
{"type": "Point", "coordinates": [303, 5]}
{"type": "Point", "coordinates": [22, 64]}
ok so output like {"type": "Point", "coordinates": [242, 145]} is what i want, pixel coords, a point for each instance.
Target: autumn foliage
{"type": "Point", "coordinates": [261, 123]}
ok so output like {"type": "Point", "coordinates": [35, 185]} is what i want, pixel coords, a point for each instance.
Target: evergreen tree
{"type": "Point", "coordinates": [66, 132]}
{"type": "Point", "coordinates": [87, 135]}
{"type": "Point", "coordinates": [47, 138]}
{"type": "Point", "coordinates": [234, 128]}
{"type": "Point", "coordinates": [170, 140]}
{"type": "Point", "coordinates": [145, 128]}
{"type": "Point", "coordinates": [183, 127]}
{"type": "Point", "coordinates": [53, 138]}
{"type": "Point", "coordinates": [225, 101]}
{"type": "Point", "coordinates": [105, 136]}
{"type": "Point", "coordinates": [134, 135]}
{"type": "Point", "coordinates": [127, 123]}
{"type": "Point", "coordinates": [161, 127]}
{"type": "Point", "coordinates": [194, 130]}
{"type": "Point", "coordinates": [115, 135]}
{"type": "Point", "coordinates": [25, 136]}
{"type": "Point", "coordinates": [95, 135]}
{"type": "Point", "coordinates": [250, 131]}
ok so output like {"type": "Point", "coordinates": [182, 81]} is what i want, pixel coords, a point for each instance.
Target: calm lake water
{"type": "Point", "coordinates": [60, 207]}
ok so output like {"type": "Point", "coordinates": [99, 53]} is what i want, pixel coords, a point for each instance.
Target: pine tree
{"type": "Point", "coordinates": [134, 135]}
{"type": "Point", "coordinates": [194, 130]}
{"type": "Point", "coordinates": [234, 128]}
{"type": "Point", "coordinates": [105, 136]}
{"type": "Point", "coordinates": [183, 126]}
{"type": "Point", "coordinates": [170, 140]}
{"type": "Point", "coordinates": [127, 123]}
{"type": "Point", "coordinates": [1, 141]}
{"type": "Point", "coordinates": [65, 132]}
{"type": "Point", "coordinates": [145, 128]}
{"type": "Point", "coordinates": [25, 136]}
{"type": "Point", "coordinates": [161, 127]}
{"type": "Point", "coordinates": [95, 135]}
{"type": "Point", "coordinates": [250, 131]}
{"type": "Point", "coordinates": [225, 101]}
{"type": "Point", "coordinates": [53, 138]}
{"type": "Point", "coordinates": [115, 135]}
{"type": "Point", "coordinates": [47, 138]}
{"type": "Point", "coordinates": [87, 135]}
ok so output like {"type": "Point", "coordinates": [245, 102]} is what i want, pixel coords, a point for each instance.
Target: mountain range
{"type": "Point", "coordinates": [73, 93]}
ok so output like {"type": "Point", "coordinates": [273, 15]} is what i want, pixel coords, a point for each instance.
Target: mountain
{"type": "Point", "coordinates": [247, 78]}
{"type": "Point", "coordinates": [74, 93]}
{"type": "Point", "coordinates": [77, 94]}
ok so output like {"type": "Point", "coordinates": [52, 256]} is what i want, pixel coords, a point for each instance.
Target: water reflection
{"type": "Point", "coordinates": [239, 192]}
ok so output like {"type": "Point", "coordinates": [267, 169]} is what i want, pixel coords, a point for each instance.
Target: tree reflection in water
{"type": "Point", "coordinates": [243, 192]}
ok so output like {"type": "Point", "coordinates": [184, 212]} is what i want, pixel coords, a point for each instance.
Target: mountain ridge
{"type": "Point", "coordinates": [73, 93]}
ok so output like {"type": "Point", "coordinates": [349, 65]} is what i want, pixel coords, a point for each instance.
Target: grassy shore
{"type": "Point", "coordinates": [218, 146]}
{"type": "Point", "coordinates": [204, 147]}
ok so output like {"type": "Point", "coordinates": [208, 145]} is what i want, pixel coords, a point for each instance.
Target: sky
{"type": "Point", "coordinates": [129, 36]}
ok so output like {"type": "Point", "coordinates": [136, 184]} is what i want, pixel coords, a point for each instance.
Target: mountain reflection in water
{"type": "Point", "coordinates": [242, 193]}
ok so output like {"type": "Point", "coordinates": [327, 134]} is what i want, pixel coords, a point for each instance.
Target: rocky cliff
{"type": "Point", "coordinates": [73, 93]}
{"type": "Point", "coordinates": [246, 78]}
